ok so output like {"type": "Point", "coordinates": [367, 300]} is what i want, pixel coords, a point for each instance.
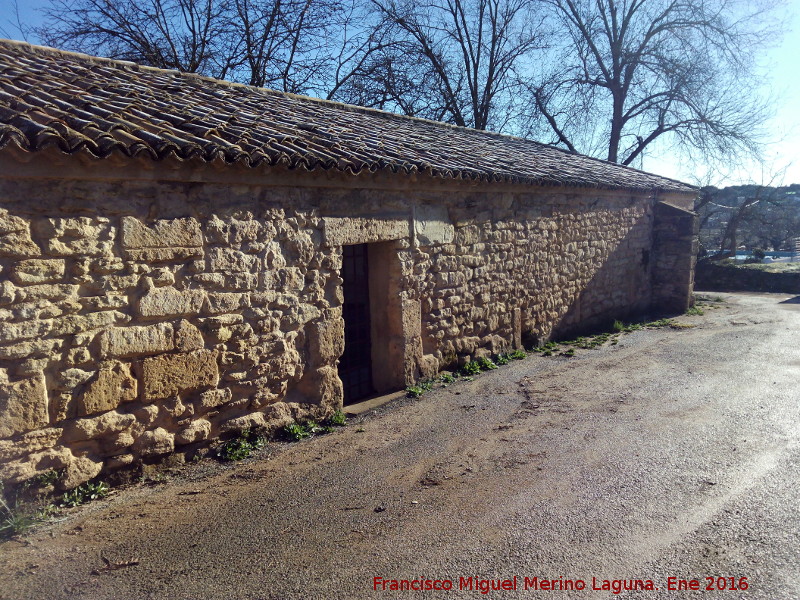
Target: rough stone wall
{"type": "Point", "coordinates": [144, 318]}
{"type": "Point", "coordinates": [675, 244]}
{"type": "Point", "coordinates": [533, 267]}
{"type": "Point", "coordinates": [140, 319]}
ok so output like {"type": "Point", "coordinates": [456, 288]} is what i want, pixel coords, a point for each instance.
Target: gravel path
{"type": "Point", "coordinates": [674, 453]}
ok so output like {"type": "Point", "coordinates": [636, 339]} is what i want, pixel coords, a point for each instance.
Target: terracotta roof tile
{"type": "Point", "coordinates": [76, 102]}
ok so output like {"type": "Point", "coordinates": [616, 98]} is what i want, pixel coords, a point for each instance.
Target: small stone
{"type": "Point", "coordinates": [170, 302]}
{"type": "Point", "coordinates": [23, 405]}
{"type": "Point", "coordinates": [172, 374]}
{"type": "Point", "coordinates": [139, 340]}
{"type": "Point", "coordinates": [213, 398]}
{"type": "Point", "coordinates": [32, 271]}
{"type": "Point", "coordinates": [121, 460]}
{"type": "Point", "coordinates": [79, 470]}
{"type": "Point", "coordinates": [197, 431]}
{"type": "Point", "coordinates": [112, 386]}
{"type": "Point", "coordinates": [188, 337]}
{"type": "Point", "coordinates": [155, 443]}
{"type": "Point", "coordinates": [107, 424]}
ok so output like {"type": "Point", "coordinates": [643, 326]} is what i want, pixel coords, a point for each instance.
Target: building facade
{"type": "Point", "coordinates": [183, 258]}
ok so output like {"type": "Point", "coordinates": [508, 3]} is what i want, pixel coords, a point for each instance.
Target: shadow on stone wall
{"type": "Point", "coordinates": [713, 277]}
{"type": "Point", "coordinates": [652, 280]}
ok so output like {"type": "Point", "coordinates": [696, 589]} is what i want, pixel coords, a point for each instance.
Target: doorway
{"type": "Point", "coordinates": [355, 365]}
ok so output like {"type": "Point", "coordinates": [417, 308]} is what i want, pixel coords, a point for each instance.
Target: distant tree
{"type": "Point", "coordinates": [629, 72]}
{"type": "Point", "coordinates": [753, 216]}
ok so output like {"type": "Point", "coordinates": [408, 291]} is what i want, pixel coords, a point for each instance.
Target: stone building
{"type": "Point", "coordinates": [182, 258]}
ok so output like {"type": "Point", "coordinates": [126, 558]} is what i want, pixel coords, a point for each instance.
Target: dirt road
{"type": "Point", "coordinates": [671, 454]}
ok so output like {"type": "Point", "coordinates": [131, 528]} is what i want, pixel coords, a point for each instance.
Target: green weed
{"type": "Point", "coordinates": [695, 311]}
{"type": "Point", "coordinates": [422, 386]}
{"type": "Point", "coordinates": [241, 447]}
{"type": "Point", "coordinates": [471, 368]}
{"type": "Point", "coordinates": [502, 359]}
{"type": "Point", "coordinates": [337, 419]}
{"type": "Point", "coordinates": [296, 431]}
{"type": "Point", "coordinates": [486, 364]}
{"type": "Point", "coordinates": [85, 493]}
{"type": "Point", "coordinates": [47, 478]}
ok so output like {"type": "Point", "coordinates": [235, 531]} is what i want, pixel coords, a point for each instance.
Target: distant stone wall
{"type": "Point", "coordinates": [712, 277]}
{"type": "Point", "coordinates": [144, 318]}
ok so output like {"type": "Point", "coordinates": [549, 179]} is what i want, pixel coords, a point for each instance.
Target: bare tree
{"type": "Point", "coordinates": [171, 34]}
{"type": "Point", "coordinates": [453, 60]}
{"type": "Point", "coordinates": [630, 72]}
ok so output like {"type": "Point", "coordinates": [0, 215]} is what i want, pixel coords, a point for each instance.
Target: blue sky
{"type": "Point", "coordinates": [783, 154]}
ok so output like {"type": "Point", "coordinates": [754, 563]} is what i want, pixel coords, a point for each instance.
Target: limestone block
{"type": "Point", "coordinates": [325, 341]}
{"type": "Point", "coordinates": [117, 444]}
{"type": "Point", "coordinates": [107, 301]}
{"type": "Point", "coordinates": [139, 340]}
{"type": "Point", "coordinates": [331, 391]}
{"type": "Point", "coordinates": [165, 240]}
{"type": "Point", "coordinates": [172, 374]}
{"type": "Point", "coordinates": [155, 443]}
{"type": "Point", "coordinates": [76, 236]}
{"type": "Point", "coordinates": [188, 337]}
{"type": "Point", "coordinates": [15, 237]}
{"type": "Point", "coordinates": [162, 277]}
{"type": "Point", "coordinates": [121, 460]}
{"type": "Point", "coordinates": [342, 231]}
{"type": "Point", "coordinates": [22, 469]}
{"type": "Point", "coordinates": [198, 430]}
{"type": "Point", "coordinates": [230, 260]}
{"type": "Point", "coordinates": [80, 470]}
{"type": "Point", "coordinates": [210, 281]}
{"type": "Point", "coordinates": [146, 415]}
{"type": "Point", "coordinates": [69, 379]}
{"type": "Point", "coordinates": [162, 255]}
{"type": "Point", "coordinates": [213, 398]}
{"type": "Point", "coordinates": [251, 421]}
{"type": "Point", "coordinates": [174, 408]}
{"type": "Point", "coordinates": [32, 271]}
{"type": "Point", "coordinates": [15, 332]}
{"type": "Point", "coordinates": [27, 443]}
{"type": "Point", "coordinates": [8, 293]}
{"type": "Point", "coordinates": [273, 257]}
{"type": "Point", "coordinates": [112, 386]}
{"type": "Point", "coordinates": [432, 225]}
{"type": "Point", "coordinates": [170, 302]}
{"type": "Point", "coordinates": [219, 303]}
{"type": "Point", "coordinates": [80, 323]}
{"type": "Point", "coordinates": [23, 404]}
{"type": "Point", "coordinates": [241, 281]}
{"type": "Point", "coordinates": [105, 425]}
